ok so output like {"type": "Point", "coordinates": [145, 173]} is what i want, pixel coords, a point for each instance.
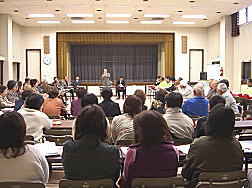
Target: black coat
{"type": "Point", "coordinates": [110, 108]}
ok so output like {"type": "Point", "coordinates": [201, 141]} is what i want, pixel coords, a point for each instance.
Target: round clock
{"type": "Point", "coordinates": [47, 60]}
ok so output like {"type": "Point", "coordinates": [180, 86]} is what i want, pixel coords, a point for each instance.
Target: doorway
{"type": "Point", "coordinates": [33, 63]}
{"type": "Point", "coordinates": [196, 64]}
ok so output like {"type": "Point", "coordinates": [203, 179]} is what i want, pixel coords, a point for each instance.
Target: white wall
{"type": "Point", "coordinates": [33, 39]}
{"type": "Point", "coordinates": [17, 42]}
{"type": "Point", "coordinates": [213, 44]}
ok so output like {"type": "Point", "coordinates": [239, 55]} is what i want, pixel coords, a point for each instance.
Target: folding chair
{"type": "Point", "coordinates": [100, 183]}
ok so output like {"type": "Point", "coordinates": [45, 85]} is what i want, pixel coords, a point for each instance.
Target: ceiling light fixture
{"type": "Point", "coordinates": [83, 21]}
{"type": "Point", "coordinates": [79, 15]}
{"type": "Point", "coordinates": [179, 11]}
{"type": "Point", "coordinates": [156, 15]}
{"type": "Point", "coordinates": [179, 22]}
{"type": "Point", "coordinates": [150, 22]}
{"type": "Point", "coordinates": [116, 22]}
{"type": "Point", "coordinates": [194, 16]}
{"type": "Point", "coordinates": [236, 3]}
{"type": "Point", "coordinates": [98, 10]}
{"type": "Point", "coordinates": [118, 15]}
{"type": "Point", "coordinates": [191, 1]}
{"type": "Point", "coordinates": [218, 12]}
{"type": "Point", "coordinates": [49, 22]}
{"type": "Point", "coordinates": [41, 15]}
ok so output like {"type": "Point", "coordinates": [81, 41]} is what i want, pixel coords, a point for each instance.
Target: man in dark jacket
{"type": "Point", "coordinates": [120, 87]}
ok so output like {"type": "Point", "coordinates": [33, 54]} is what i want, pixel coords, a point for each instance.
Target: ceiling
{"type": "Point", "coordinates": [19, 9]}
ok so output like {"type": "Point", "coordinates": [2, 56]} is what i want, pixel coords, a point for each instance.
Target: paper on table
{"type": "Point", "coordinates": [49, 149]}
{"type": "Point", "coordinates": [183, 148]}
{"type": "Point", "coordinates": [246, 146]}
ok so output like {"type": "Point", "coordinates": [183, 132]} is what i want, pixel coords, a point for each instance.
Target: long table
{"type": "Point", "coordinates": [247, 124]}
{"type": "Point", "coordinates": [65, 124]}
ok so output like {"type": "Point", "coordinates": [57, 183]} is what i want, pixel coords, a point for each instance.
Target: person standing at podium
{"type": "Point", "coordinates": [106, 78]}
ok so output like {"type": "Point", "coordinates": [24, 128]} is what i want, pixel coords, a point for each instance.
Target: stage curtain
{"type": "Point", "coordinates": [137, 63]}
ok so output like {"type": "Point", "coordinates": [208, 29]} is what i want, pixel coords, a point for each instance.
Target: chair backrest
{"type": "Point", "coordinates": [100, 183]}
{"type": "Point", "coordinates": [59, 140]}
{"type": "Point", "coordinates": [125, 142]}
{"type": "Point", "coordinates": [158, 182]}
{"type": "Point", "coordinates": [58, 132]}
{"type": "Point", "coordinates": [223, 179]}
{"type": "Point", "coordinates": [21, 185]}
{"type": "Point", "coordinates": [182, 141]}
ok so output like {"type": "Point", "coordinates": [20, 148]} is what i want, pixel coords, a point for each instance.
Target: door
{"type": "Point", "coordinates": [33, 63]}
{"type": "Point", "coordinates": [196, 64]}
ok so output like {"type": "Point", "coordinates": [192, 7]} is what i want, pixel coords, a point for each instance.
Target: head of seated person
{"type": "Point", "coordinates": [12, 85]}
{"type": "Point", "coordinates": [198, 90]}
{"type": "Point", "coordinates": [160, 95]}
{"type": "Point", "coordinates": [174, 100]}
{"type": "Point", "coordinates": [53, 92]}
{"type": "Point", "coordinates": [81, 92]}
{"type": "Point", "coordinates": [34, 101]}
{"type": "Point", "coordinates": [215, 100]}
{"type": "Point", "coordinates": [222, 88]}
{"type": "Point", "coordinates": [139, 93]}
{"type": "Point", "coordinates": [106, 93]}
{"type": "Point", "coordinates": [33, 82]}
{"type": "Point", "coordinates": [89, 99]}
{"type": "Point", "coordinates": [225, 81]}
{"type": "Point", "coordinates": [132, 105]}
{"type": "Point", "coordinates": [3, 91]}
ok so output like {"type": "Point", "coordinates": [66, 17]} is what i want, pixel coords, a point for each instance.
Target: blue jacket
{"type": "Point", "coordinates": [197, 106]}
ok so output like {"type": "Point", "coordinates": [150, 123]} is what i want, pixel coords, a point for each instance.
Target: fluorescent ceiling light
{"type": "Point", "coordinates": [83, 21]}
{"type": "Point", "coordinates": [150, 22]}
{"type": "Point", "coordinates": [48, 22]}
{"type": "Point", "coordinates": [194, 16]}
{"type": "Point", "coordinates": [117, 22]}
{"type": "Point", "coordinates": [118, 15]}
{"type": "Point", "coordinates": [178, 22]}
{"type": "Point", "coordinates": [157, 15]}
{"type": "Point", "coordinates": [79, 15]}
{"type": "Point", "coordinates": [41, 15]}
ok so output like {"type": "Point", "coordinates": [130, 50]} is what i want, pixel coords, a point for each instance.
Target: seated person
{"type": "Point", "coordinates": [219, 151]}
{"type": "Point", "coordinates": [76, 82]}
{"type": "Point", "coordinates": [153, 154]}
{"type": "Point", "coordinates": [200, 129]}
{"type": "Point", "coordinates": [159, 103]}
{"type": "Point", "coordinates": [172, 87]}
{"type": "Point", "coordinates": [19, 162]}
{"type": "Point", "coordinates": [139, 93]}
{"type": "Point", "coordinates": [158, 80]}
{"type": "Point", "coordinates": [4, 102]}
{"type": "Point", "coordinates": [163, 83]}
{"type": "Point", "coordinates": [19, 103]}
{"type": "Point", "coordinates": [120, 87]}
{"type": "Point", "coordinates": [248, 89]}
{"type": "Point", "coordinates": [12, 95]}
{"type": "Point", "coordinates": [185, 90]}
{"type": "Point", "coordinates": [53, 106]}
{"type": "Point", "coordinates": [34, 84]}
{"type": "Point", "coordinates": [222, 90]}
{"type": "Point", "coordinates": [180, 125]}
{"type": "Point", "coordinates": [213, 91]}
{"type": "Point", "coordinates": [35, 120]}
{"type": "Point", "coordinates": [27, 85]}
{"type": "Point", "coordinates": [122, 125]}
{"type": "Point", "coordinates": [89, 156]}
{"type": "Point", "coordinates": [197, 106]}
{"type": "Point", "coordinates": [110, 108]}
{"type": "Point", "coordinates": [44, 86]}
{"type": "Point", "coordinates": [76, 104]}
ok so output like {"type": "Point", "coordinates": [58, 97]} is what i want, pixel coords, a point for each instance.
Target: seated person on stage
{"type": "Point", "coordinates": [122, 125]}
{"type": "Point", "coordinates": [172, 87]}
{"type": "Point", "coordinates": [153, 154]}
{"type": "Point", "coordinates": [163, 83]}
{"type": "Point", "coordinates": [106, 78]}
{"type": "Point", "coordinates": [158, 81]}
{"type": "Point", "coordinates": [180, 125]}
{"type": "Point", "coordinates": [197, 106]}
{"type": "Point", "coordinates": [19, 103]}
{"type": "Point", "coordinates": [89, 156]}
{"type": "Point", "coordinates": [12, 95]}
{"type": "Point", "coordinates": [222, 90]}
{"type": "Point", "coordinates": [19, 162]}
{"type": "Point", "coordinates": [213, 91]}
{"type": "Point", "coordinates": [76, 104]}
{"type": "Point", "coordinates": [219, 151]}
{"type": "Point", "coordinates": [35, 120]}
{"type": "Point", "coordinates": [4, 102]}
{"type": "Point", "coordinates": [159, 103]}
{"type": "Point", "coordinates": [185, 90]}
{"type": "Point", "coordinates": [53, 106]}
{"type": "Point", "coordinates": [110, 108]}
{"type": "Point", "coordinates": [200, 129]}
{"type": "Point", "coordinates": [76, 82]}
{"type": "Point", "coordinates": [139, 93]}
{"type": "Point", "coordinates": [248, 89]}
{"type": "Point", "coordinates": [120, 87]}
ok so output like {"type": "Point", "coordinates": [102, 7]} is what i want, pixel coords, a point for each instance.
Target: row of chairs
{"type": "Point", "coordinates": [234, 179]}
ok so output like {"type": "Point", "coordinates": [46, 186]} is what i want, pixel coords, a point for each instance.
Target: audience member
{"type": "Point", "coordinates": [219, 151]}
{"type": "Point", "coordinates": [34, 84]}
{"type": "Point", "coordinates": [222, 90]}
{"type": "Point", "coordinates": [19, 89]}
{"type": "Point", "coordinates": [158, 81]}
{"type": "Point", "coordinates": [89, 156]}
{"type": "Point", "coordinates": [53, 106]}
{"type": "Point", "coordinates": [19, 103]}
{"type": "Point", "coordinates": [76, 104]}
{"type": "Point", "coordinates": [185, 90]}
{"type": "Point", "coordinates": [159, 103]}
{"type": "Point", "coordinates": [197, 106]}
{"type": "Point", "coordinates": [35, 120]}
{"type": "Point", "coordinates": [180, 125]}
{"type": "Point", "coordinates": [213, 89]}
{"type": "Point", "coordinates": [44, 86]}
{"type": "Point", "coordinates": [12, 95]}
{"type": "Point", "coordinates": [122, 125]}
{"type": "Point", "coordinates": [110, 108]}
{"type": "Point", "coordinates": [89, 99]}
{"type": "Point", "coordinates": [153, 154]}
{"type": "Point", "coordinates": [200, 129]}
{"type": "Point", "coordinates": [27, 85]}
{"type": "Point", "coordinates": [139, 93]}
{"type": "Point", "coordinates": [4, 102]}
{"type": "Point", "coordinates": [225, 81]}
{"type": "Point", "coordinates": [19, 162]}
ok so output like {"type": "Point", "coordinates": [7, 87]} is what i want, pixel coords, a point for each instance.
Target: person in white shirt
{"type": "Point", "coordinates": [35, 119]}
{"type": "Point", "coordinates": [19, 162]}
{"type": "Point", "coordinates": [180, 125]}
{"type": "Point", "coordinates": [185, 90]}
